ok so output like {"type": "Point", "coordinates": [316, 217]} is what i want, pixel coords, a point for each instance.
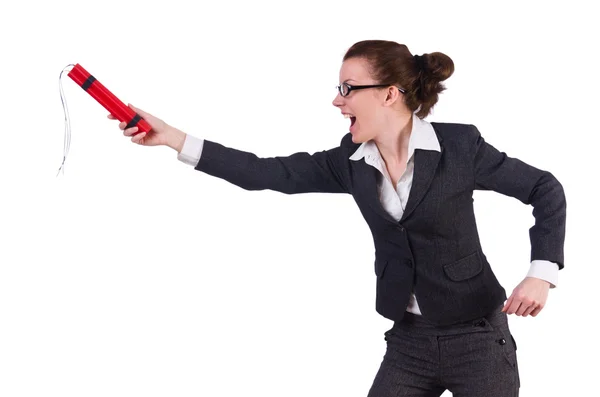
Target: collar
{"type": "Point", "coordinates": [422, 137]}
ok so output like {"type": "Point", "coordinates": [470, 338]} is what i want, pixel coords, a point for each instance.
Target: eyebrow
{"type": "Point", "coordinates": [347, 80]}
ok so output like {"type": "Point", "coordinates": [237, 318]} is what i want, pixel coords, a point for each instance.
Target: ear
{"type": "Point", "coordinates": [391, 96]}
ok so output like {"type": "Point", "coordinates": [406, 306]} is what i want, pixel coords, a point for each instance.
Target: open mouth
{"type": "Point", "coordinates": [351, 117]}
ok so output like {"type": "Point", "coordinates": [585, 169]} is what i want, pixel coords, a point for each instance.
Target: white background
{"type": "Point", "coordinates": [134, 275]}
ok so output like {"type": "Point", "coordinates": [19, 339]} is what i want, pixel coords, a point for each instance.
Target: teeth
{"type": "Point", "coordinates": [347, 116]}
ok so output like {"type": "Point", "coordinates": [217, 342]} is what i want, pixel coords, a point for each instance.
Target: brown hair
{"type": "Point", "coordinates": [392, 63]}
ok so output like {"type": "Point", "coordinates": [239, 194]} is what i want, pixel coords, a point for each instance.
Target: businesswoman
{"type": "Point", "coordinates": [413, 182]}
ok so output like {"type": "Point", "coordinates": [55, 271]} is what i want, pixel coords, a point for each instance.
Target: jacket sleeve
{"type": "Point", "coordinates": [325, 171]}
{"type": "Point", "coordinates": [494, 170]}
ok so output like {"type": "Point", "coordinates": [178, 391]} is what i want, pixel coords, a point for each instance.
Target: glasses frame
{"type": "Point", "coordinates": [351, 87]}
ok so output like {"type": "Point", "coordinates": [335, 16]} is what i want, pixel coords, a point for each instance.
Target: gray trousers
{"type": "Point", "coordinates": [475, 359]}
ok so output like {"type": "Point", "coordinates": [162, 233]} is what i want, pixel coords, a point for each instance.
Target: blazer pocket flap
{"type": "Point", "coordinates": [464, 268]}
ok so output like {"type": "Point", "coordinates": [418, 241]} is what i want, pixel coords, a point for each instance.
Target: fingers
{"type": "Point", "coordinates": [528, 306]}
{"type": "Point", "coordinates": [522, 307]}
{"type": "Point", "coordinates": [537, 310]}
{"type": "Point", "coordinates": [529, 310]}
{"type": "Point", "coordinates": [508, 303]}
{"type": "Point", "coordinates": [129, 131]}
{"type": "Point", "coordinates": [138, 138]}
{"type": "Point", "coordinates": [134, 132]}
{"type": "Point", "coordinates": [534, 309]}
{"type": "Point", "coordinates": [512, 305]}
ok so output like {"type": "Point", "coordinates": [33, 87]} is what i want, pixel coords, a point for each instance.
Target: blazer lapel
{"type": "Point", "coordinates": [367, 177]}
{"type": "Point", "coordinates": [426, 163]}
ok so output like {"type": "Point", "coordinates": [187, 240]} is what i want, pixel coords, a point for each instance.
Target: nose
{"type": "Point", "coordinates": [338, 100]}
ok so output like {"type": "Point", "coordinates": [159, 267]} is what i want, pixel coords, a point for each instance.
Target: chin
{"type": "Point", "coordinates": [356, 137]}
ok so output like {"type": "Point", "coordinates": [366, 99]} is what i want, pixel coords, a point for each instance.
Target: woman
{"type": "Point", "coordinates": [413, 182]}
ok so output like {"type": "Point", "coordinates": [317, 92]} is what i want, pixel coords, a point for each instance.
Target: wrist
{"type": "Point", "coordinates": [541, 281]}
{"type": "Point", "coordinates": [176, 139]}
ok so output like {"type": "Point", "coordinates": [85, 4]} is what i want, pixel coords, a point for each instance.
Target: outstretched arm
{"type": "Point", "coordinates": [323, 172]}
{"type": "Point", "coordinates": [326, 171]}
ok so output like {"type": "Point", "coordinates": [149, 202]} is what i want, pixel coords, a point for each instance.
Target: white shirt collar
{"type": "Point", "coordinates": [422, 137]}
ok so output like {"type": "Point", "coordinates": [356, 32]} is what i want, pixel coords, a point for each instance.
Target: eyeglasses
{"type": "Point", "coordinates": [345, 89]}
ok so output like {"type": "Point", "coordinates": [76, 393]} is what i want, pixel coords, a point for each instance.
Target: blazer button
{"type": "Point", "coordinates": [409, 263]}
{"type": "Point", "coordinates": [401, 228]}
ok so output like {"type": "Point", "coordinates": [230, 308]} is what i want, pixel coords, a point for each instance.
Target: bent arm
{"type": "Point", "coordinates": [496, 171]}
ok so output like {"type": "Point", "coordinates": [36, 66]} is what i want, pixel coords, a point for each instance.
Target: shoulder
{"type": "Point", "coordinates": [455, 131]}
{"type": "Point", "coordinates": [457, 135]}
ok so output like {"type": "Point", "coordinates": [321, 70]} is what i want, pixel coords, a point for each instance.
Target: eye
{"type": "Point", "coordinates": [346, 89]}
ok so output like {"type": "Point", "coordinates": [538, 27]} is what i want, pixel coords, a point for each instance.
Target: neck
{"type": "Point", "coordinates": [393, 144]}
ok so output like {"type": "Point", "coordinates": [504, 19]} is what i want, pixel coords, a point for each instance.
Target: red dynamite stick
{"type": "Point", "coordinates": [107, 99]}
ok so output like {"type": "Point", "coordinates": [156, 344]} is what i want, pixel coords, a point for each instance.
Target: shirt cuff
{"type": "Point", "coordinates": [545, 270]}
{"type": "Point", "coordinates": [191, 150]}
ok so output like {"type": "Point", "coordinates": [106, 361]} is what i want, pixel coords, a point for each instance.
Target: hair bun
{"type": "Point", "coordinates": [439, 65]}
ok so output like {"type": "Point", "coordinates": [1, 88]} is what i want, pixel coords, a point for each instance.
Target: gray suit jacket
{"type": "Point", "coordinates": [435, 247]}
